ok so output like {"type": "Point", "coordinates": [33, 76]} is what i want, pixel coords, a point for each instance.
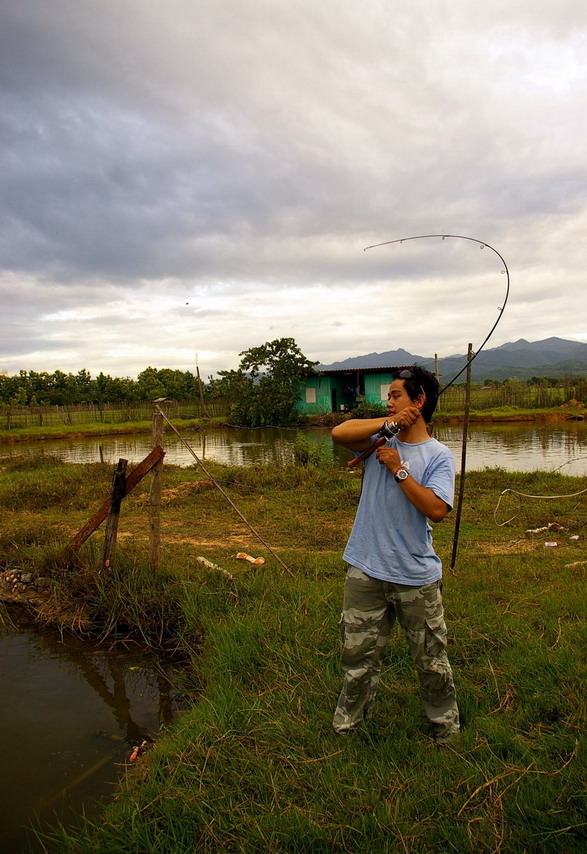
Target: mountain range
{"type": "Point", "coordinates": [552, 357]}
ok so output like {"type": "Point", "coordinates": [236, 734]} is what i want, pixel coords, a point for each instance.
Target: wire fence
{"type": "Point", "coordinates": [512, 393]}
{"type": "Point", "coordinates": [516, 394]}
{"type": "Point", "coordinates": [23, 417]}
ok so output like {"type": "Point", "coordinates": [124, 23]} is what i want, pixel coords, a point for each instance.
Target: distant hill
{"type": "Point", "coordinates": [552, 357]}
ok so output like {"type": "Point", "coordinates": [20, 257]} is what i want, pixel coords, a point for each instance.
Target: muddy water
{"type": "Point", "coordinates": [515, 447]}
{"type": "Point", "coordinates": [69, 718]}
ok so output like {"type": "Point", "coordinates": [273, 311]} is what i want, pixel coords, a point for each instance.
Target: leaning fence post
{"type": "Point", "coordinates": [155, 496]}
{"type": "Point", "coordinates": [118, 489]}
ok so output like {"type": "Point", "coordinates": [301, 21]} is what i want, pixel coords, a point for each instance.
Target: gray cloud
{"type": "Point", "coordinates": [226, 152]}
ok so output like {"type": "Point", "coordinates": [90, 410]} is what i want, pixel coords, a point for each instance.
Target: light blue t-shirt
{"type": "Point", "coordinates": [391, 539]}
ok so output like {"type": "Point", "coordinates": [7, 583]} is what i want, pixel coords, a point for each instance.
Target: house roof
{"type": "Point", "coordinates": [378, 370]}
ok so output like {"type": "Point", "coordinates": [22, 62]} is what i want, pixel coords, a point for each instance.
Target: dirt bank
{"type": "Point", "coordinates": [509, 417]}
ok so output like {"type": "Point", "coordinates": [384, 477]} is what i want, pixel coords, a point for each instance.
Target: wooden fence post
{"type": "Point", "coordinates": [155, 496]}
{"type": "Point", "coordinates": [118, 490]}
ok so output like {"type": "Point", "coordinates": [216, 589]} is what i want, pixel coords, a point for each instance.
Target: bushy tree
{"type": "Point", "coordinates": [265, 388]}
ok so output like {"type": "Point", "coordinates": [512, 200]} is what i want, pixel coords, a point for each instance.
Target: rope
{"type": "Point", "coordinates": [527, 495]}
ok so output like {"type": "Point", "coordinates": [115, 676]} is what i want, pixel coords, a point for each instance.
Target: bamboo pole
{"type": "Point", "coordinates": [201, 388]}
{"type": "Point", "coordinates": [155, 496]}
{"type": "Point", "coordinates": [455, 543]}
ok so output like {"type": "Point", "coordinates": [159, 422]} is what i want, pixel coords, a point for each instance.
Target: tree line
{"type": "Point", "coordinates": [264, 389]}
{"type": "Point", "coordinates": [40, 388]}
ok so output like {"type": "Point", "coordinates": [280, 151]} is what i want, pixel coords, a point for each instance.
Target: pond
{"type": "Point", "coordinates": [70, 717]}
{"type": "Point", "coordinates": [528, 446]}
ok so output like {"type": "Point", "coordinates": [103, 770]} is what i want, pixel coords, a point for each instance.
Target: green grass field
{"type": "Point", "coordinates": [253, 766]}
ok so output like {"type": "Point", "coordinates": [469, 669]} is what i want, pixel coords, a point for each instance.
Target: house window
{"type": "Point", "coordinates": [384, 391]}
{"type": "Point", "coordinates": [310, 395]}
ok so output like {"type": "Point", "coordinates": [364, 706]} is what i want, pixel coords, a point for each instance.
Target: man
{"type": "Point", "coordinates": [393, 571]}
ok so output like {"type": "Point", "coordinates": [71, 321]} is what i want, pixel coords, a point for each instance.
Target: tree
{"type": "Point", "coordinates": [265, 388]}
{"type": "Point", "coordinates": [150, 386]}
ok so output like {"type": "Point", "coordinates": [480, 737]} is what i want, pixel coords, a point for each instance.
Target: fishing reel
{"type": "Point", "coordinates": [389, 430]}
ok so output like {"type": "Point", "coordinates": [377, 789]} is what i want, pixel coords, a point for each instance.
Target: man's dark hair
{"type": "Point", "coordinates": [418, 380]}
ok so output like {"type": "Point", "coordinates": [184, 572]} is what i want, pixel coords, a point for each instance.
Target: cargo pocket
{"type": "Point", "coordinates": [435, 637]}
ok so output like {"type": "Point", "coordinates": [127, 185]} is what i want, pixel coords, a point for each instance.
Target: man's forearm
{"type": "Point", "coordinates": [355, 434]}
{"type": "Point", "coordinates": [424, 500]}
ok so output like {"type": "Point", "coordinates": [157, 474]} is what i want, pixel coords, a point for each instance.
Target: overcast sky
{"type": "Point", "coordinates": [182, 177]}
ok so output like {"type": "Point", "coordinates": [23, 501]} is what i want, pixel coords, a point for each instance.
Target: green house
{"type": "Point", "coordinates": [340, 390]}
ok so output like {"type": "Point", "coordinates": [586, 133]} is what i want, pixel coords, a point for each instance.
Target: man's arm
{"type": "Point", "coordinates": [356, 433]}
{"type": "Point", "coordinates": [423, 498]}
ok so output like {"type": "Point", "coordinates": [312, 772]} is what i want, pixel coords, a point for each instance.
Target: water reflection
{"type": "Point", "coordinates": [69, 718]}
{"type": "Point", "coordinates": [521, 447]}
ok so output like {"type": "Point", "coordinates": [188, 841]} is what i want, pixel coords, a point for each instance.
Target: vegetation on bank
{"type": "Point", "coordinates": [93, 429]}
{"type": "Point", "coordinates": [254, 766]}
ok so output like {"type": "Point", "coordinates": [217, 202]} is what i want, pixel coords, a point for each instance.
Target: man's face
{"type": "Point", "coordinates": [398, 398]}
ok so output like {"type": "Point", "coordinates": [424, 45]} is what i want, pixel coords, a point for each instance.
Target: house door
{"type": "Point", "coordinates": [334, 401]}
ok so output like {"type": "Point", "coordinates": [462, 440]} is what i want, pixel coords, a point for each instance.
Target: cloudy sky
{"type": "Point", "coordinates": [182, 177]}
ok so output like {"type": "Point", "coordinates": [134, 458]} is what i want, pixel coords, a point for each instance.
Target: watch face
{"type": "Point", "coordinates": [401, 474]}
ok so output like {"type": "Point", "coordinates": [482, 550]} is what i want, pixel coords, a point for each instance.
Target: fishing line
{"type": "Point", "coordinates": [482, 244]}
{"type": "Point", "coordinates": [220, 489]}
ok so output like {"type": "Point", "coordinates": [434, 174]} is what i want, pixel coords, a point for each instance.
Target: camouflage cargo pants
{"type": "Point", "coordinates": [369, 612]}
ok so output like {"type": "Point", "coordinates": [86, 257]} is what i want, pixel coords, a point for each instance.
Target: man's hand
{"type": "Point", "coordinates": [389, 458]}
{"type": "Point", "coordinates": [423, 499]}
{"type": "Point", "coordinates": [406, 417]}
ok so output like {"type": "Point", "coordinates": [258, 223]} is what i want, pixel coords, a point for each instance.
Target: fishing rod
{"type": "Point", "coordinates": [471, 355]}
{"type": "Point", "coordinates": [482, 244]}
{"type": "Point", "coordinates": [383, 434]}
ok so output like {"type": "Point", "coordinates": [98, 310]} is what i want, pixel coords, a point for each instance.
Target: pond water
{"type": "Point", "coordinates": [515, 447]}
{"type": "Point", "coordinates": [69, 718]}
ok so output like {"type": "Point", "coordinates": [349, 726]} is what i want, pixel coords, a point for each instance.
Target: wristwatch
{"type": "Point", "coordinates": [401, 474]}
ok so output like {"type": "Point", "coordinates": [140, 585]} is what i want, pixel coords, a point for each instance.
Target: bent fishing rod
{"type": "Point", "coordinates": [391, 429]}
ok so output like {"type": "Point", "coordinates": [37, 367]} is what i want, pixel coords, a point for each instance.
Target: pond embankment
{"type": "Point", "coordinates": [575, 413]}
{"type": "Point", "coordinates": [83, 431]}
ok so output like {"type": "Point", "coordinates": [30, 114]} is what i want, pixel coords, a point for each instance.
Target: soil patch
{"type": "Point", "coordinates": [515, 547]}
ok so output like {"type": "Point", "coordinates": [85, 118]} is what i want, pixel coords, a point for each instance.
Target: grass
{"type": "Point", "coordinates": [97, 428]}
{"type": "Point", "coordinates": [511, 413]}
{"type": "Point", "coordinates": [254, 765]}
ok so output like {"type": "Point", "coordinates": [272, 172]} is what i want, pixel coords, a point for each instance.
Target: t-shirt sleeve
{"type": "Point", "coordinates": [440, 477]}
